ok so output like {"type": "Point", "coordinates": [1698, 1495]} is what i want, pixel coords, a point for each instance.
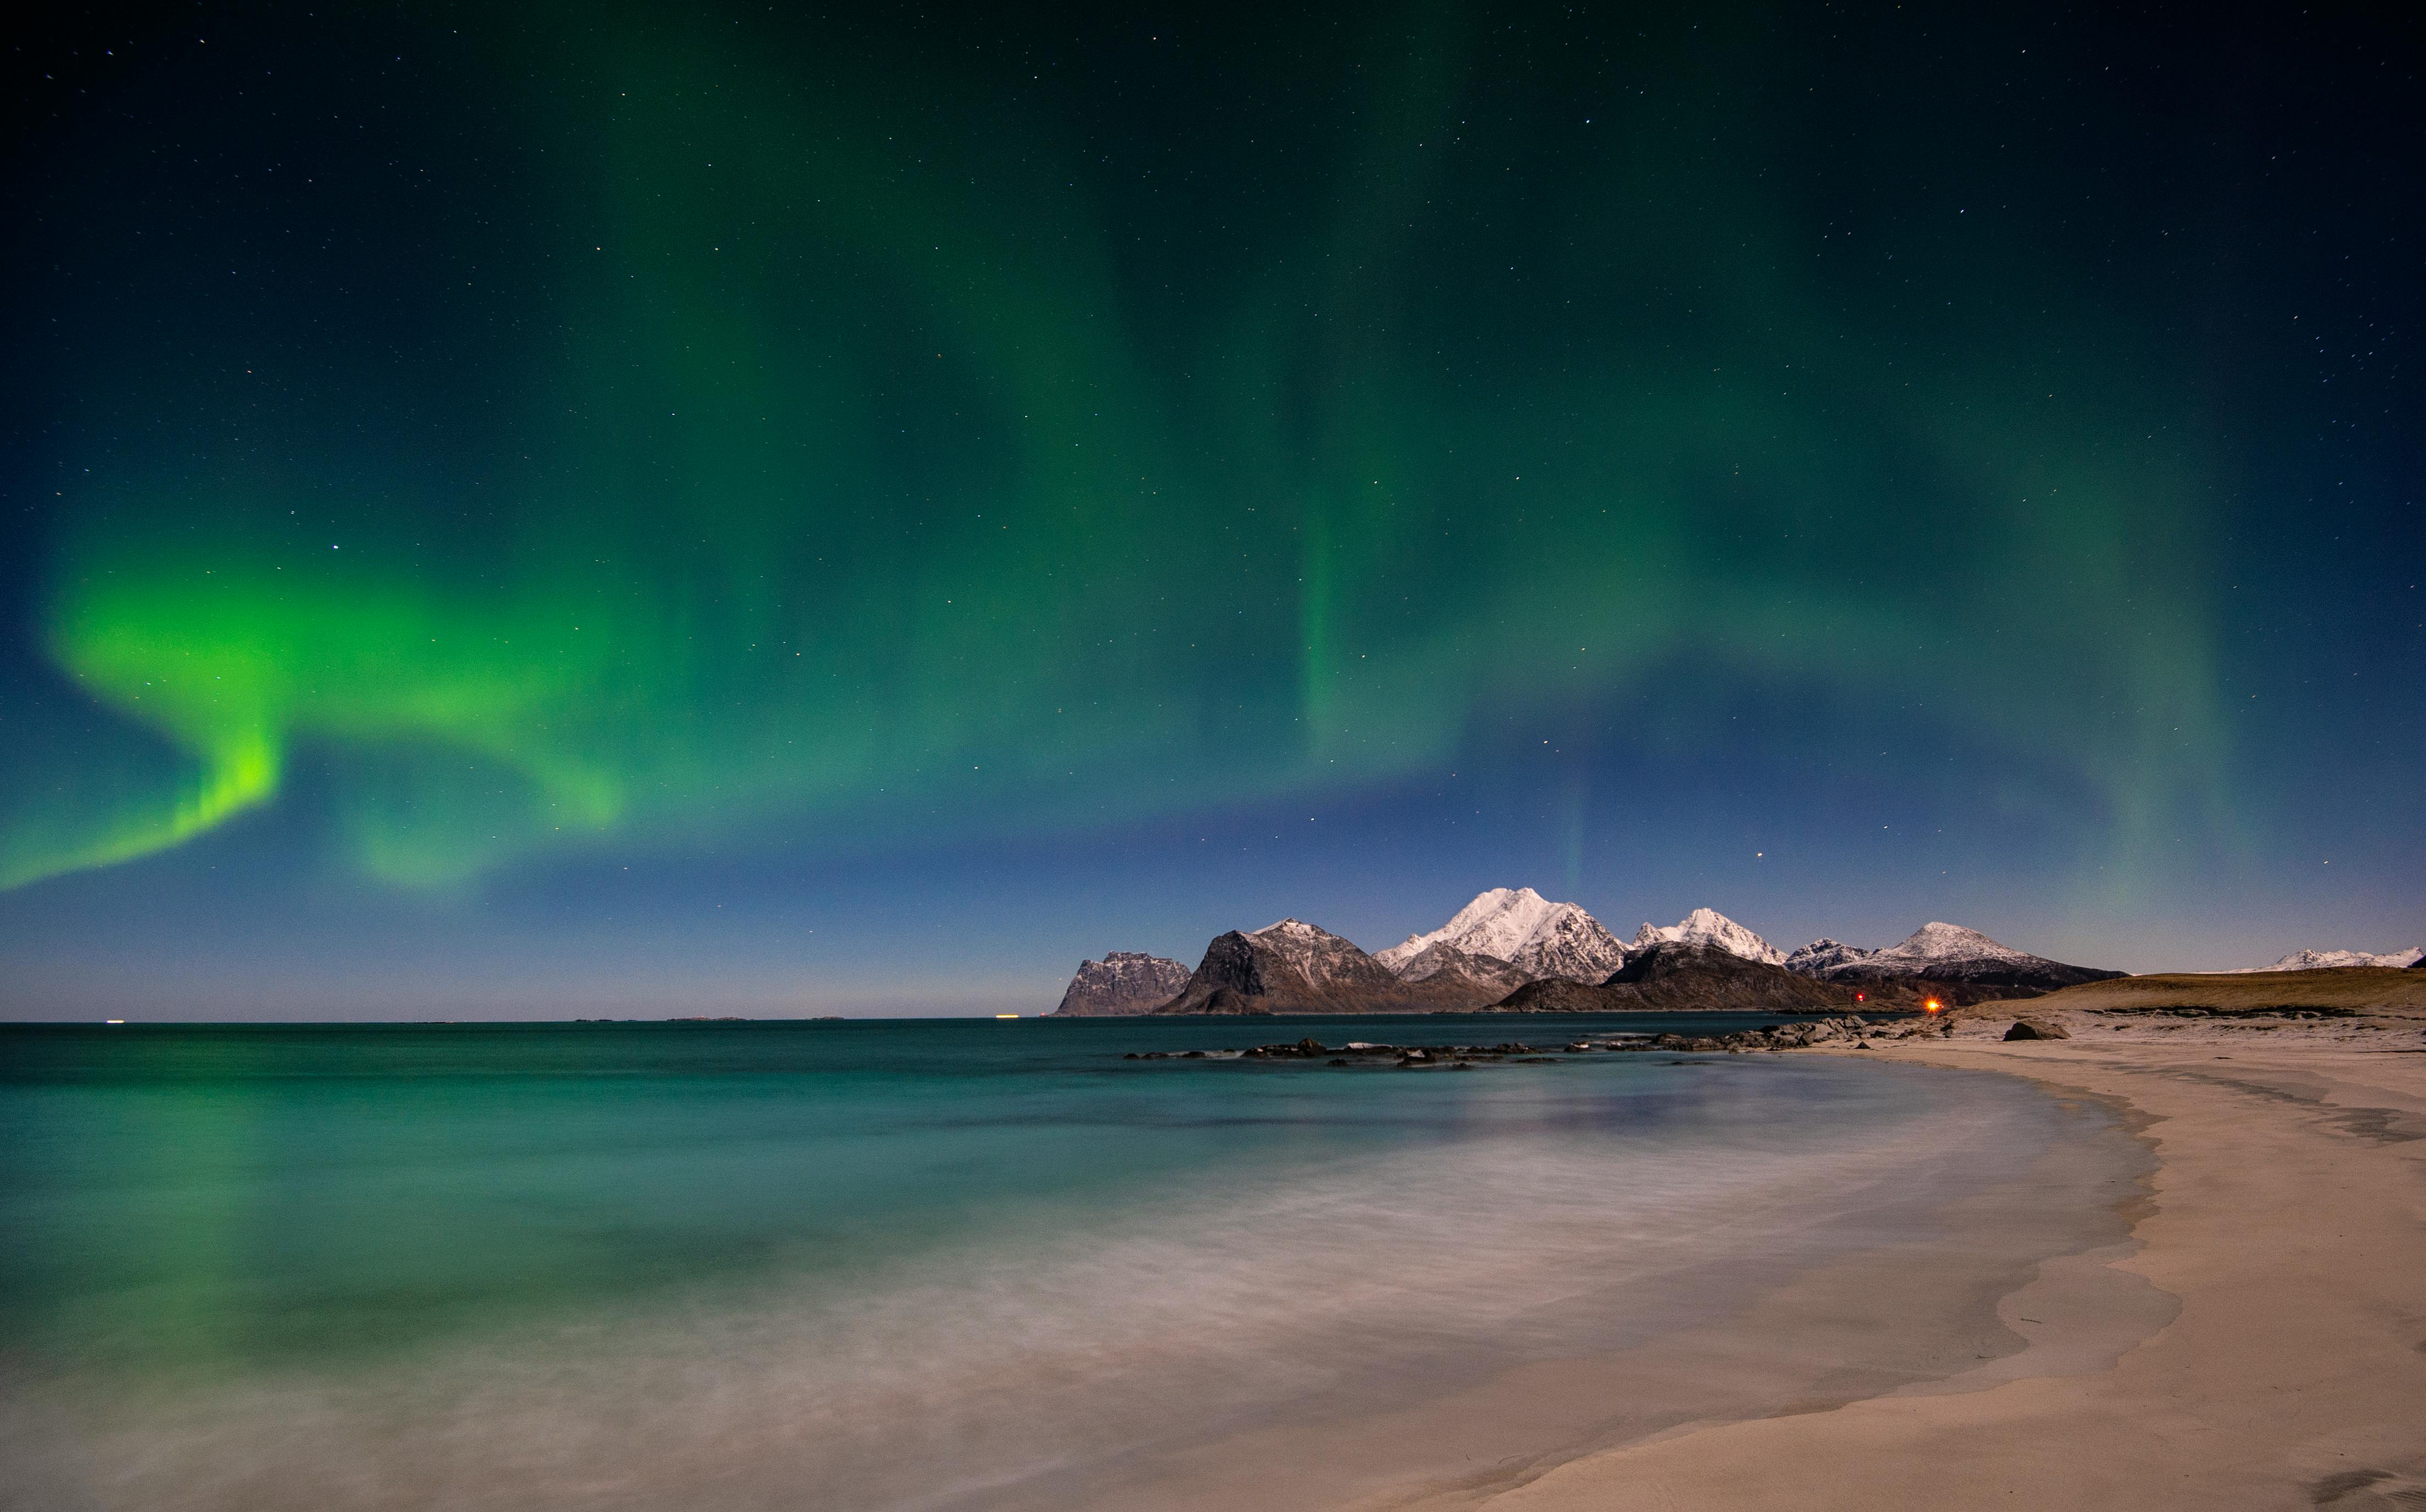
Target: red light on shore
{"type": "Point", "coordinates": [1933, 1005]}
{"type": "Point", "coordinates": [1860, 997]}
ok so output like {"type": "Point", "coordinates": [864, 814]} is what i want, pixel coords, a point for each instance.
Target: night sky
{"type": "Point", "coordinates": [705, 509]}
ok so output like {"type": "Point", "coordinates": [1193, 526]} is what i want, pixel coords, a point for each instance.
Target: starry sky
{"type": "Point", "coordinates": [663, 509]}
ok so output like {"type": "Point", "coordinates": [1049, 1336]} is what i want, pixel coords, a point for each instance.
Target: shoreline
{"type": "Point", "coordinates": [1909, 1310]}
{"type": "Point", "coordinates": [2286, 1220]}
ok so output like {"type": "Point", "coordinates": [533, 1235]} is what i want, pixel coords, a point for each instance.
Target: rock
{"type": "Point", "coordinates": [2035, 1029]}
{"type": "Point", "coordinates": [1305, 1050]}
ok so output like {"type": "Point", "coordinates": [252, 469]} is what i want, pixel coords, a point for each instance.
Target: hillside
{"type": "Point", "coordinates": [2378, 990]}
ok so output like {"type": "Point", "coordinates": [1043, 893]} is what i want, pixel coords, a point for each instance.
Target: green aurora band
{"type": "Point", "coordinates": [859, 474]}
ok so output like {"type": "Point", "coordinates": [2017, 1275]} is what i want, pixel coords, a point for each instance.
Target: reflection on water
{"type": "Point", "coordinates": [863, 1265]}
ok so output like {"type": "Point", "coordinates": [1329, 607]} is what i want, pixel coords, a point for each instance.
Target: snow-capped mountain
{"type": "Point", "coordinates": [2326, 960]}
{"type": "Point", "coordinates": [1708, 926]}
{"type": "Point", "coordinates": [1934, 943]}
{"type": "Point", "coordinates": [1519, 926]}
{"type": "Point", "coordinates": [1821, 956]}
{"type": "Point", "coordinates": [1949, 953]}
{"type": "Point", "coordinates": [1125, 982]}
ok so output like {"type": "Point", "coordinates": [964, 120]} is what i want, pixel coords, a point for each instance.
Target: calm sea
{"type": "Point", "coordinates": [939, 1264]}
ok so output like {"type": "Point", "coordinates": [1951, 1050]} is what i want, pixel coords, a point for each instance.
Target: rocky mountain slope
{"type": "Point", "coordinates": [1516, 925]}
{"type": "Point", "coordinates": [1683, 976]}
{"type": "Point", "coordinates": [1125, 982]}
{"type": "Point", "coordinates": [1294, 968]}
{"type": "Point", "coordinates": [1708, 926]}
{"type": "Point", "coordinates": [1822, 954]}
{"type": "Point", "coordinates": [1442, 964]}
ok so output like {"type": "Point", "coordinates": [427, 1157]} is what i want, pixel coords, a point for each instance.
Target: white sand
{"type": "Point", "coordinates": [2289, 1219]}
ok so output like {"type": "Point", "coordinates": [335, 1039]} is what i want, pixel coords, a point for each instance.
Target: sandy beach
{"type": "Point", "coordinates": [2286, 1222]}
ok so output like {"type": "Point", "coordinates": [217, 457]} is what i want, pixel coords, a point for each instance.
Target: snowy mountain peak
{"type": "Point", "coordinates": [1539, 938]}
{"type": "Point", "coordinates": [1937, 941]}
{"type": "Point", "coordinates": [1498, 923]}
{"type": "Point", "coordinates": [1289, 929]}
{"type": "Point", "coordinates": [1708, 926]}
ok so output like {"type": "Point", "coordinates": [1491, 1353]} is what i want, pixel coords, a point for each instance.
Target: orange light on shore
{"type": "Point", "coordinates": [1933, 1005]}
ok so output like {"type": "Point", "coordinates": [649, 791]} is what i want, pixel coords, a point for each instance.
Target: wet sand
{"type": "Point", "coordinates": [2040, 1234]}
{"type": "Point", "coordinates": [2286, 1223]}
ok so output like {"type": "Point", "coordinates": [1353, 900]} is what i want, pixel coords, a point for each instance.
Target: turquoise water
{"type": "Point", "coordinates": [921, 1264]}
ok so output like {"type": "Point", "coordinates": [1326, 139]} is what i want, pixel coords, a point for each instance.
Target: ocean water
{"type": "Point", "coordinates": [906, 1264]}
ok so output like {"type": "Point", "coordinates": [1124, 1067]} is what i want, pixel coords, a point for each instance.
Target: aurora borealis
{"type": "Point", "coordinates": [514, 514]}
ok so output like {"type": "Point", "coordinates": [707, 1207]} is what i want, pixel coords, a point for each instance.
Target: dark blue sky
{"type": "Point", "coordinates": [651, 509]}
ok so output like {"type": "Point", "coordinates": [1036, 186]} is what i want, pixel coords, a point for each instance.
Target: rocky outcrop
{"type": "Point", "coordinates": [1849, 1032]}
{"type": "Point", "coordinates": [1684, 977]}
{"type": "Point", "coordinates": [2035, 1029]}
{"type": "Point", "coordinates": [1293, 968]}
{"type": "Point", "coordinates": [1125, 982]}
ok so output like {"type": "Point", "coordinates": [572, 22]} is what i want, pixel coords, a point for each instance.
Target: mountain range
{"type": "Point", "coordinates": [1682, 976]}
{"type": "Point", "coordinates": [1959, 964]}
{"type": "Point", "coordinates": [1514, 949]}
{"type": "Point", "coordinates": [2328, 960]}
